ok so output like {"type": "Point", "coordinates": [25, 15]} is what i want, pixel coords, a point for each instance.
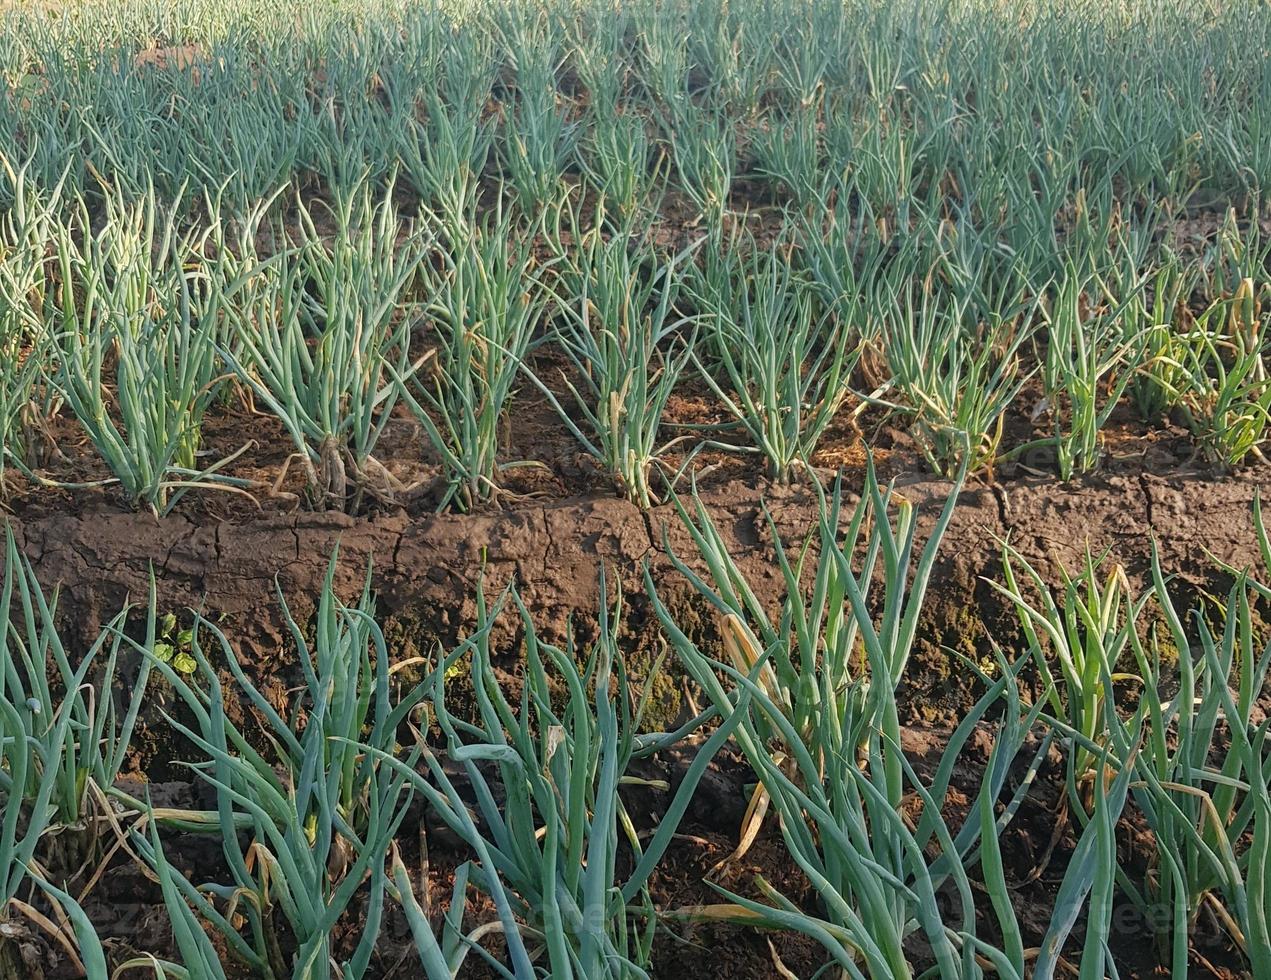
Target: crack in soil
{"type": "Point", "coordinates": [1146, 487]}
{"type": "Point", "coordinates": [1003, 507]}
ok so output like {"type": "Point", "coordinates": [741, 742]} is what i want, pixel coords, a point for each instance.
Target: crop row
{"type": "Point", "coordinates": [1008, 112]}
{"type": "Point", "coordinates": [338, 316]}
{"type": "Point", "coordinates": [1153, 714]}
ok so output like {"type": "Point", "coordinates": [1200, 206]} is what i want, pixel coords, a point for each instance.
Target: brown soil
{"type": "Point", "coordinates": [426, 567]}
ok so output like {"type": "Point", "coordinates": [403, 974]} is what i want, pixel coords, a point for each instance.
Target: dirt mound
{"type": "Point", "coordinates": [426, 570]}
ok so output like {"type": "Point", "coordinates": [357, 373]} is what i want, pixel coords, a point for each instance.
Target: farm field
{"type": "Point", "coordinates": [634, 488]}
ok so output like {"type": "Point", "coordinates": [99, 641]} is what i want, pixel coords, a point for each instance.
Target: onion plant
{"type": "Point", "coordinates": [898, 895]}
{"type": "Point", "coordinates": [1226, 394]}
{"type": "Point", "coordinates": [732, 71]}
{"type": "Point", "coordinates": [957, 380]}
{"type": "Point", "coordinates": [87, 955]}
{"type": "Point", "coordinates": [1202, 773]}
{"type": "Point", "coordinates": [64, 737]}
{"type": "Point", "coordinates": [703, 145]}
{"type": "Point", "coordinates": [321, 814]}
{"type": "Point", "coordinates": [598, 49]}
{"type": "Point", "coordinates": [1238, 254]}
{"type": "Point", "coordinates": [622, 342]}
{"type": "Point", "coordinates": [26, 283]}
{"type": "Point", "coordinates": [19, 398]}
{"type": "Point", "coordinates": [1085, 628]}
{"type": "Point", "coordinates": [885, 162]}
{"type": "Point", "coordinates": [61, 750]}
{"type": "Point", "coordinates": [26, 402]}
{"type": "Point", "coordinates": [813, 692]}
{"type": "Point", "coordinates": [855, 272]}
{"type": "Point", "coordinates": [1104, 741]}
{"type": "Point", "coordinates": [788, 150]}
{"type": "Point", "coordinates": [1090, 883]}
{"type": "Point", "coordinates": [484, 303]}
{"type": "Point", "coordinates": [784, 364]}
{"type": "Point", "coordinates": [444, 155]}
{"type": "Point", "coordinates": [80, 761]}
{"type": "Point", "coordinates": [617, 159]}
{"type": "Point", "coordinates": [808, 650]}
{"type": "Point", "coordinates": [129, 296]}
{"type": "Point", "coordinates": [199, 957]}
{"type": "Point", "coordinates": [538, 139]}
{"type": "Point", "coordinates": [323, 339]}
{"type": "Point", "coordinates": [549, 826]}
{"type": "Point", "coordinates": [799, 58]}
{"type": "Point", "coordinates": [1086, 366]}
{"type": "Point", "coordinates": [1125, 757]}
{"type": "Point", "coordinates": [1161, 381]}
{"type": "Point", "coordinates": [32, 779]}
{"type": "Point", "coordinates": [663, 64]}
